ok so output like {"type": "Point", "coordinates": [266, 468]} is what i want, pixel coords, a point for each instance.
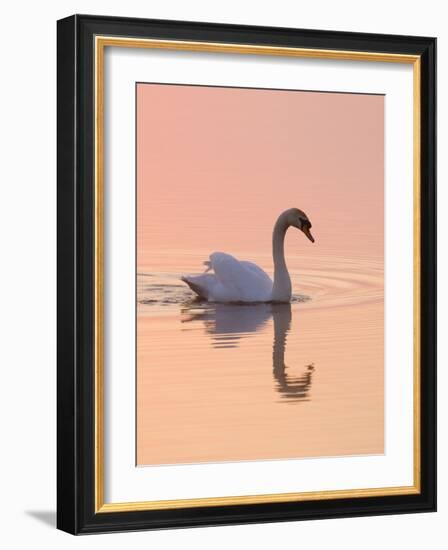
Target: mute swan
{"type": "Point", "coordinates": [240, 281]}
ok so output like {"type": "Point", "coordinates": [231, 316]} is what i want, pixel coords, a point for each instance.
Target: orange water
{"type": "Point", "coordinates": [219, 382]}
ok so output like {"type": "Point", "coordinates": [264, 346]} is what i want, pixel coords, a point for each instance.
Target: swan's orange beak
{"type": "Point", "coordinates": [307, 232]}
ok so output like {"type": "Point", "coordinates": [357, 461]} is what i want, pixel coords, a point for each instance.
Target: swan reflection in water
{"type": "Point", "coordinates": [227, 324]}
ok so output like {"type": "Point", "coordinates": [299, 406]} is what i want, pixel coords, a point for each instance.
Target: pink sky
{"type": "Point", "coordinates": [215, 167]}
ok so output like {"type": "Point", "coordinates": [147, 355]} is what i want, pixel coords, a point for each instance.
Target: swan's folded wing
{"type": "Point", "coordinates": [258, 271]}
{"type": "Point", "coordinates": [243, 279]}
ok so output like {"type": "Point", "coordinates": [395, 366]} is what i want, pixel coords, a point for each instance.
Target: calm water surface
{"type": "Point", "coordinates": [223, 382]}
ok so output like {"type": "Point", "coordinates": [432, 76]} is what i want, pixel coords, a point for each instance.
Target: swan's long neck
{"type": "Point", "coordinates": [281, 290]}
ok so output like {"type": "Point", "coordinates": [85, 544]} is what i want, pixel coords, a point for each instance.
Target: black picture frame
{"type": "Point", "coordinates": [76, 512]}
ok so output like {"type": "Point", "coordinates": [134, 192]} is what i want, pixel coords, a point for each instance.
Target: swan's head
{"type": "Point", "coordinates": [299, 219]}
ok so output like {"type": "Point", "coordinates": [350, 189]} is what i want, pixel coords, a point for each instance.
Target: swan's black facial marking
{"type": "Point", "coordinates": [305, 225]}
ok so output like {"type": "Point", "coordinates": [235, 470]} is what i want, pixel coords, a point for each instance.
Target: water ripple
{"type": "Point", "coordinates": [344, 283]}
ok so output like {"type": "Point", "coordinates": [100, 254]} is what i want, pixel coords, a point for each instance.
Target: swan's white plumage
{"type": "Point", "coordinates": [241, 281]}
{"type": "Point", "coordinates": [232, 281]}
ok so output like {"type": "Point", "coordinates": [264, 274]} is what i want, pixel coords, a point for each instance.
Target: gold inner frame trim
{"type": "Point", "coordinates": [101, 42]}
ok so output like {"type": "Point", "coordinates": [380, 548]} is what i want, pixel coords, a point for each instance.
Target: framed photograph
{"type": "Point", "coordinates": [246, 274]}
